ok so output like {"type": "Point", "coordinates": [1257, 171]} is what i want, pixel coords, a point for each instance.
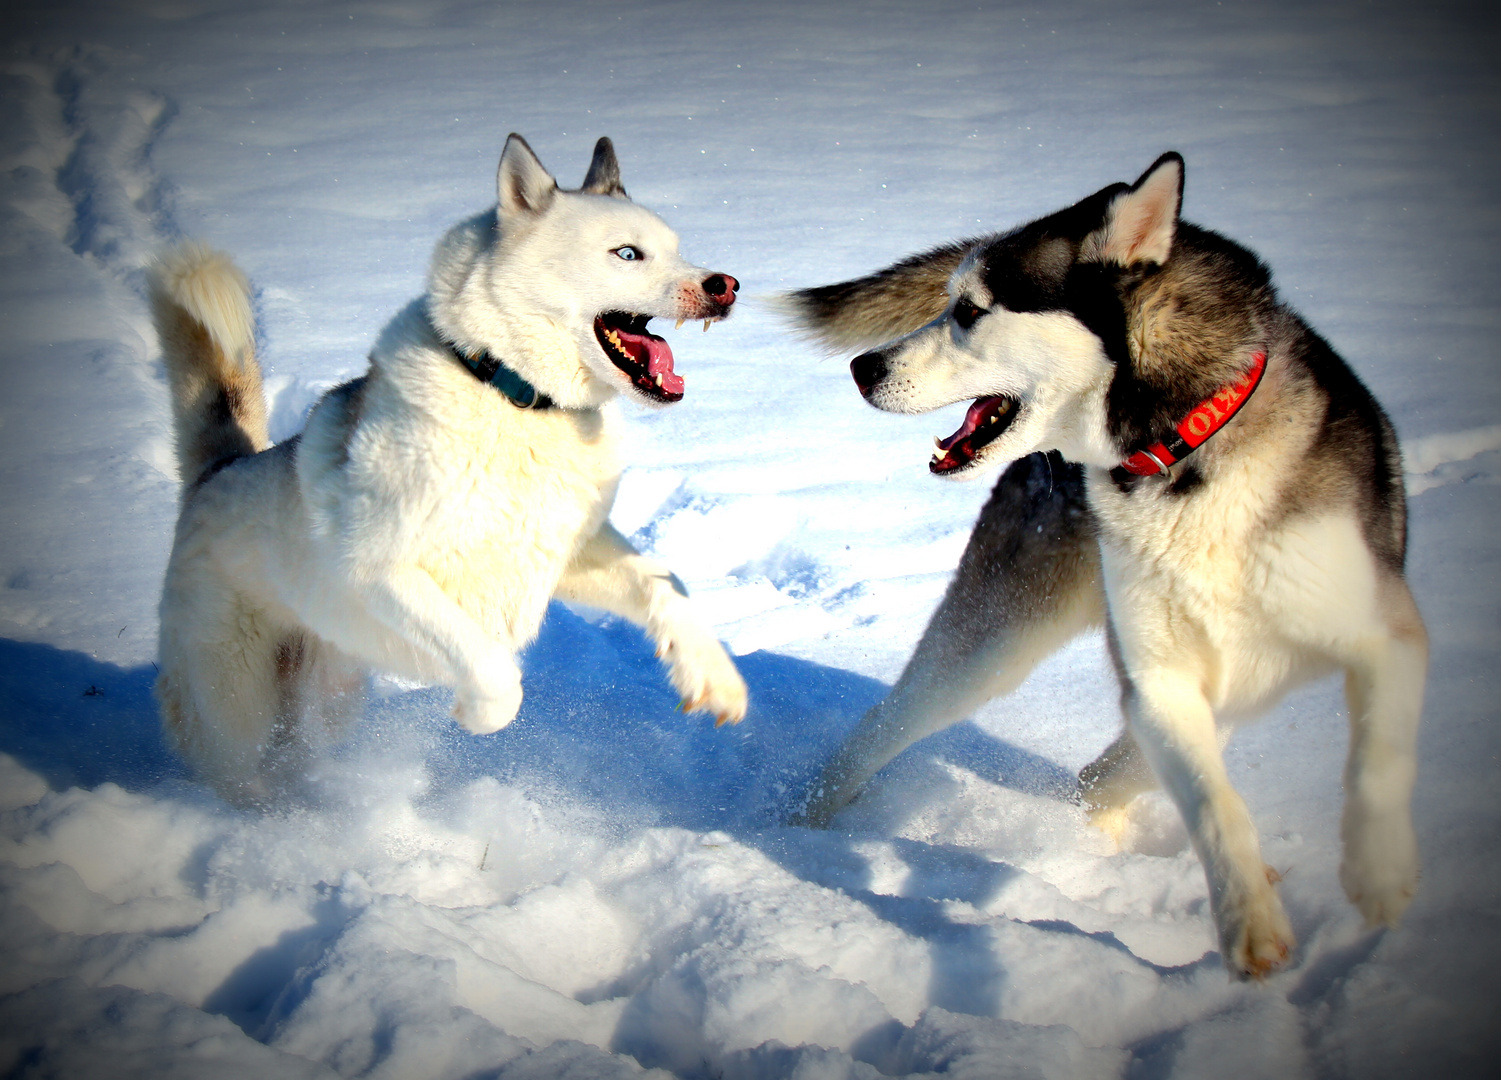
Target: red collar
{"type": "Point", "coordinates": [1207, 417]}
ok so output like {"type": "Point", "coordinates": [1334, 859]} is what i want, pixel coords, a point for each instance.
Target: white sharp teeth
{"type": "Point", "coordinates": [706, 325]}
{"type": "Point", "coordinates": [659, 380]}
{"type": "Point", "coordinates": [680, 323]}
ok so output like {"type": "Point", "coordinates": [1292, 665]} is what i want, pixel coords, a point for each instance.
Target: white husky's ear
{"type": "Point", "coordinates": [603, 177]}
{"type": "Point", "coordinates": [523, 186]}
{"type": "Point", "coordinates": [1140, 223]}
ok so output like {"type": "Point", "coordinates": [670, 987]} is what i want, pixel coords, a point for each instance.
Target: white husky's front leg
{"type": "Point", "coordinates": [1384, 692]}
{"type": "Point", "coordinates": [486, 680]}
{"type": "Point", "coordinates": [608, 573]}
{"type": "Point", "coordinates": [1174, 727]}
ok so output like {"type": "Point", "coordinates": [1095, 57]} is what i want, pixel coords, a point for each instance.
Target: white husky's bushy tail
{"type": "Point", "coordinates": [201, 303]}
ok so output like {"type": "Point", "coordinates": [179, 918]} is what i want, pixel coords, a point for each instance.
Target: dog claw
{"type": "Point", "coordinates": [1259, 969]}
{"type": "Point", "coordinates": [680, 323]}
{"type": "Point", "coordinates": [706, 325]}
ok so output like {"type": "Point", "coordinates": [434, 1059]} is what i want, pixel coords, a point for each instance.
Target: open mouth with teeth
{"type": "Point", "coordinates": [987, 419]}
{"type": "Point", "coordinates": [645, 358]}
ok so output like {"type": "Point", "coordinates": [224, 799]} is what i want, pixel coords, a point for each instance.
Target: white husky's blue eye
{"type": "Point", "coordinates": [628, 253]}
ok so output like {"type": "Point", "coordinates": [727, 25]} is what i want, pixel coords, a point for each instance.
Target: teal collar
{"type": "Point", "coordinates": [492, 371]}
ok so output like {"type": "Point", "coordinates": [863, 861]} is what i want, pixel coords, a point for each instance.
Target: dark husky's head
{"type": "Point", "coordinates": [1033, 327]}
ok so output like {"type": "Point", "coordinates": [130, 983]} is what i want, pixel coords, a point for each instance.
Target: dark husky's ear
{"type": "Point", "coordinates": [523, 186]}
{"type": "Point", "coordinates": [1141, 222]}
{"type": "Point", "coordinates": [852, 316]}
{"type": "Point", "coordinates": [603, 177]}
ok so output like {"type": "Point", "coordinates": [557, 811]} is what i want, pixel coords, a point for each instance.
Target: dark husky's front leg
{"type": "Point", "coordinates": [1028, 582]}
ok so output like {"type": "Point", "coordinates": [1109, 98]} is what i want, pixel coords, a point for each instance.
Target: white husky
{"type": "Point", "coordinates": [431, 508]}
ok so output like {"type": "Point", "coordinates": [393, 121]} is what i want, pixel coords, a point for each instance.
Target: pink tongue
{"type": "Point", "coordinates": [658, 358]}
{"type": "Point", "coordinates": [971, 422]}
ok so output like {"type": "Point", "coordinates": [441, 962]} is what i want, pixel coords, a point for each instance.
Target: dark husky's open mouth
{"type": "Point", "coordinates": [987, 419]}
{"type": "Point", "coordinates": [643, 356]}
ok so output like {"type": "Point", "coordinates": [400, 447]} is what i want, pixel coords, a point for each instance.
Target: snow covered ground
{"type": "Point", "coordinates": [606, 886]}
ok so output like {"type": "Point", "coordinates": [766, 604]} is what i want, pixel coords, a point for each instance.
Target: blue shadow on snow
{"type": "Point", "coordinates": [599, 722]}
{"type": "Point", "coordinates": [78, 722]}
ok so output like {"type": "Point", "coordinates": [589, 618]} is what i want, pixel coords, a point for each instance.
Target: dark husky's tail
{"type": "Point", "coordinates": [855, 315]}
{"type": "Point", "coordinates": [201, 304]}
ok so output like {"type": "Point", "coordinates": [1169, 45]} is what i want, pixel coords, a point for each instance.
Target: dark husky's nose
{"type": "Point", "coordinates": [868, 369]}
{"type": "Point", "coordinates": [721, 288]}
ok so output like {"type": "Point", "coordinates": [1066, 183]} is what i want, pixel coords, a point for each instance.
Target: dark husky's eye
{"type": "Point", "coordinates": [967, 314]}
{"type": "Point", "coordinates": [628, 253]}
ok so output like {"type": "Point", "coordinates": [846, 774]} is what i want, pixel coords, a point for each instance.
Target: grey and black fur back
{"type": "Point", "coordinates": [1356, 451]}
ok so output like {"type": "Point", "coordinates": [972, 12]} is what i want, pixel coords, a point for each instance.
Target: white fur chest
{"type": "Point", "coordinates": [424, 466]}
{"type": "Point", "coordinates": [1188, 578]}
{"type": "Point", "coordinates": [1197, 538]}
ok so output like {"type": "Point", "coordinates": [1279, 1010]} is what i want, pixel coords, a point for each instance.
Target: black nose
{"type": "Point", "coordinates": [721, 288]}
{"type": "Point", "coordinates": [868, 369]}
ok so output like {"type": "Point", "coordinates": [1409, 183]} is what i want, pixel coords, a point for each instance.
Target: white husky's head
{"type": "Point", "coordinates": [560, 285]}
{"type": "Point", "coordinates": [1027, 331]}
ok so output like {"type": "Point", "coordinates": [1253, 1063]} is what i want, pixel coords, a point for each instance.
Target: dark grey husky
{"type": "Point", "coordinates": [1188, 463]}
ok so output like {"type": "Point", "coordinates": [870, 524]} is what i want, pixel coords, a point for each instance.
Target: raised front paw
{"type": "Point", "coordinates": [488, 707]}
{"type": "Point", "coordinates": [705, 675]}
{"type": "Point", "coordinates": [1255, 937]}
{"type": "Point", "coordinates": [1380, 866]}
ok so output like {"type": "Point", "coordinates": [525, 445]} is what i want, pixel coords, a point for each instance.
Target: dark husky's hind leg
{"type": "Point", "coordinates": [1028, 582]}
